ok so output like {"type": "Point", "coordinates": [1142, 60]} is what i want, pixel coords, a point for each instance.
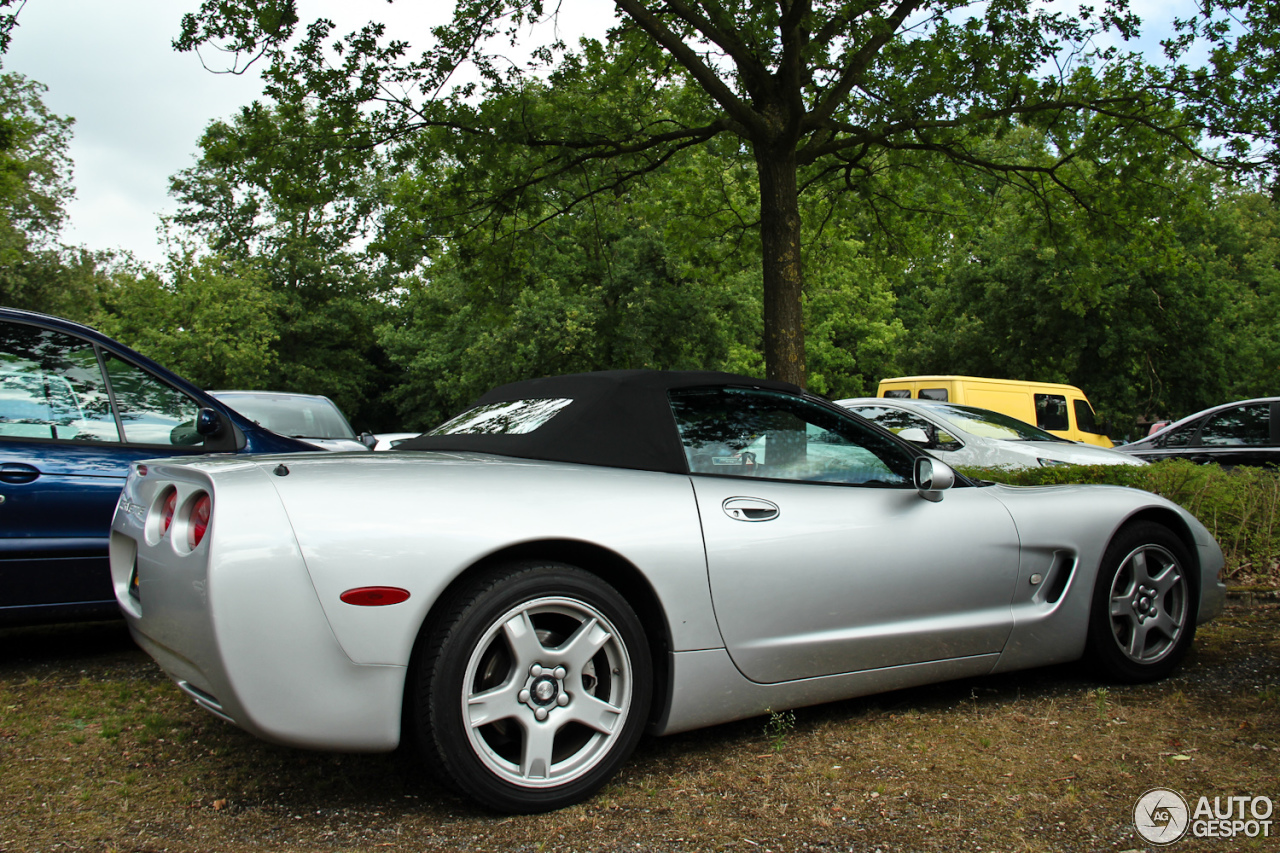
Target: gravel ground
{"type": "Point", "coordinates": [99, 752]}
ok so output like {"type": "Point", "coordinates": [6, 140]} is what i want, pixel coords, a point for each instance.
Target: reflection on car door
{"type": "Point", "coordinates": [822, 557]}
{"type": "Point", "coordinates": [850, 578]}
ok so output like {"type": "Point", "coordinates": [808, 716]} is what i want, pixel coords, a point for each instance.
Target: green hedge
{"type": "Point", "coordinates": [1240, 506]}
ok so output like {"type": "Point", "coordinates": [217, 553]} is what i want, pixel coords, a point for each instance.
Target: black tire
{"type": "Point", "coordinates": [532, 688]}
{"type": "Point", "coordinates": [1143, 615]}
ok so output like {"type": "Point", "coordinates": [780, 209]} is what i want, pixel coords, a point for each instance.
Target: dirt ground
{"type": "Point", "coordinates": [99, 752]}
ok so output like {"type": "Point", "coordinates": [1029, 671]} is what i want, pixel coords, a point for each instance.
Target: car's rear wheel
{"type": "Point", "coordinates": [1142, 619]}
{"type": "Point", "coordinates": [532, 688]}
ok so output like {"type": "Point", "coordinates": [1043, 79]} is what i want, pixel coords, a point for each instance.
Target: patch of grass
{"type": "Point", "coordinates": [1100, 695]}
{"type": "Point", "coordinates": [779, 726]}
{"type": "Point", "coordinates": [1042, 760]}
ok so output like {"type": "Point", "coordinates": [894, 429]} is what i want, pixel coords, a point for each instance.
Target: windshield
{"type": "Point", "coordinates": [294, 415]}
{"type": "Point", "coordinates": [988, 424]}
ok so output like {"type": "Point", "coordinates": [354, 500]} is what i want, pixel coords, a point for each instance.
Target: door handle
{"type": "Point", "coordinates": [16, 472]}
{"type": "Point", "coordinates": [750, 509]}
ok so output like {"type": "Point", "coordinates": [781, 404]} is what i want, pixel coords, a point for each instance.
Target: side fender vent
{"type": "Point", "coordinates": [1064, 566]}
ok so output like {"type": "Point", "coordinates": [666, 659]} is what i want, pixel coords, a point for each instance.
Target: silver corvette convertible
{"type": "Point", "coordinates": [521, 593]}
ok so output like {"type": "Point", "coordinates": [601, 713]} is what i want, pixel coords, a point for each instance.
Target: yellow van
{"type": "Point", "coordinates": [1063, 410]}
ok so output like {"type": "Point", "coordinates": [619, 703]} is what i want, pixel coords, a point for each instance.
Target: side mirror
{"type": "Point", "coordinates": [915, 435]}
{"type": "Point", "coordinates": [932, 478]}
{"type": "Point", "coordinates": [208, 423]}
{"type": "Point", "coordinates": [368, 439]}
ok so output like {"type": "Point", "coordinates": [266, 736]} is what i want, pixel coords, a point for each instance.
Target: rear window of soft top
{"type": "Point", "coordinates": [511, 417]}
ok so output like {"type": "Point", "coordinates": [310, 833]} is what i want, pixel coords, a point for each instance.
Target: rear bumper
{"type": "Point", "coordinates": [235, 620]}
{"type": "Point", "coordinates": [316, 701]}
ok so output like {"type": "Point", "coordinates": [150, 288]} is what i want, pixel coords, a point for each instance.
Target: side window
{"type": "Point", "coordinates": [151, 411]}
{"type": "Point", "coordinates": [939, 394]}
{"type": "Point", "coordinates": [1180, 437]}
{"type": "Point", "coordinates": [1051, 412]}
{"type": "Point", "coordinates": [898, 421]}
{"type": "Point", "coordinates": [1247, 426]}
{"type": "Point", "coordinates": [51, 387]}
{"type": "Point", "coordinates": [897, 393]}
{"type": "Point", "coordinates": [1085, 418]}
{"type": "Point", "coordinates": [754, 433]}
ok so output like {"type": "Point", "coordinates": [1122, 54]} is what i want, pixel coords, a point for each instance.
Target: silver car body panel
{"type": "Point", "coordinates": [991, 453]}
{"type": "Point", "coordinates": [335, 444]}
{"type": "Point", "coordinates": [810, 593]}
{"type": "Point", "coordinates": [1064, 531]}
{"type": "Point", "coordinates": [1047, 619]}
{"type": "Point", "coordinates": [984, 452]}
{"type": "Point", "coordinates": [708, 689]}
{"type": "Point", "coordinates": [238, 618]}
{"type": "Point", "coordinates": [429, 528]}
{"type": "Point", "coordinates": [387, 440]}
{"type": "Point", "coordinates": [841, 580]}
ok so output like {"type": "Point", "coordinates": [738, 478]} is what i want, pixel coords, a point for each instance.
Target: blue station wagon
{"type": "Point", "coordinates": [76, 408]}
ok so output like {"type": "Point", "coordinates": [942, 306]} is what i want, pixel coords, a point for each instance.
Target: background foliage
{"type": "Point", "coordinates": [403, 270]}
{"type": "Point", "coordinates": [821, 98]}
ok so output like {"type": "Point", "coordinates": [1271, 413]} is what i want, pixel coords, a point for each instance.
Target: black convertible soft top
{"type": "Point", "coordinates": [618, 418]}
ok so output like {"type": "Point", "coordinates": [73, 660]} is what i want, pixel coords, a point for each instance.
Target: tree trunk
{"type": "Point", "coordinates": [783, 278]}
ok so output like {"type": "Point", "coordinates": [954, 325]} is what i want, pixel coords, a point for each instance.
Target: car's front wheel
{"type": "Point", "coordinates": [532, 688]}
{"type": "Point", "coordinates": [1142, 619]}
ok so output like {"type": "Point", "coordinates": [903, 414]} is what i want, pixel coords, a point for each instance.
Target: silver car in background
{"type": "Point", "coordinates": [312, 418]}
{"type": "Point", "coordinates": [1245, 432]}
{"type": "Point", "coordinates": [967, 436]}
{"type": "Point", "coordinates": [524, 591]}
{"type": "Point", "coordinates": [389, 440]}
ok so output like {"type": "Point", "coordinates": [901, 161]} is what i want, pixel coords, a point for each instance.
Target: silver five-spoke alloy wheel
{"type": "Point", "coordinates": [1143, 614]}
{"type": "Point", "coordinates": [548, 691]}
{"type": "Point", "coordinates": [531, 686]}
{"type": "Point", "coordinates": [1149, 604]}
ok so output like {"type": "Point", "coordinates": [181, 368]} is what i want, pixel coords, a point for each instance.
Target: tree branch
{"type": "Point", "coordinates": [708, 79]}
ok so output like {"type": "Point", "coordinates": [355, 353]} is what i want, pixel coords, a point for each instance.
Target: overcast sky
{"type": "Point", "coordinates": [140, 106]}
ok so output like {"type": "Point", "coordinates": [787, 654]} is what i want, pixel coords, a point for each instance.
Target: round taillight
{"type": "Point", "coordinates": [199, 523]}
{"type": "Point", "coordinates": [167, 509]}
{"type": "Point", "coordinates": [375, 596]}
